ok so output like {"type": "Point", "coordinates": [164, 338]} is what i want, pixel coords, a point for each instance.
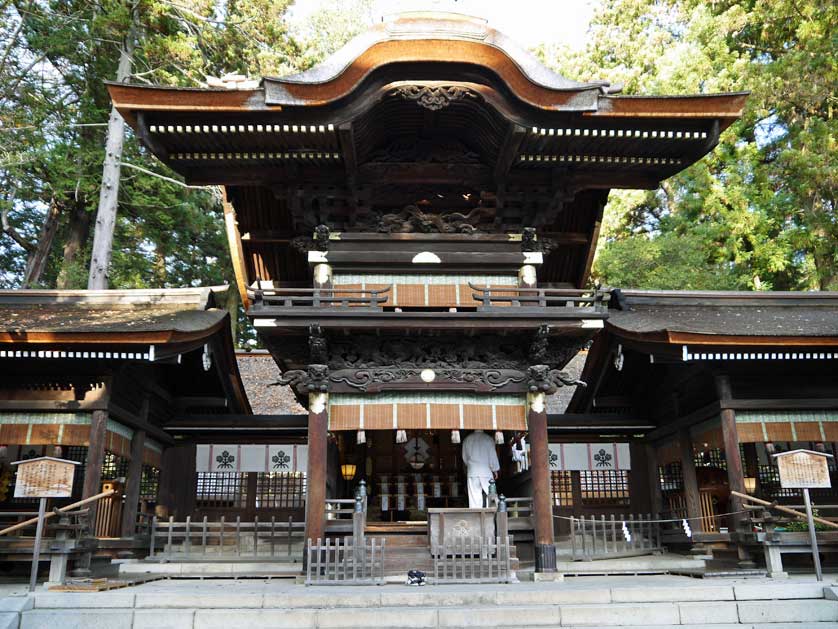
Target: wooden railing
{"type": "Point", "coordinates": [257, 539]}
{"type": "Point", "coordinates": [370, 299]}
{"type": "Point", "coordinates": [474, 560]}
{"type": "Point", "coordinates": [618, 535]}
{"type": "Point", "coordinates": [345, 561]}
{"type": "Point", "coordinates": [491, 297]}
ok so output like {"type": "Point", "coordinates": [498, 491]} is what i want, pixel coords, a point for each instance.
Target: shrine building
{"type": "Point", "coordinates": [412, 226]}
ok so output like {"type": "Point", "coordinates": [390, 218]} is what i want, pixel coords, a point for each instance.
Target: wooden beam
{"type": "Point", "coordinates": [779, 404]}
{"type": "Point", "coordinates": [705, 412]}
{"type": "Point", "coordinates": [691, 494]}
{"type": "Point", "coordinates": [60, 406]}
{"type": "Point", "coordinates": [133, 479]}
{"type": "Point", "coordinates": [318, 426]}
{"type": "Point", "coordinates": [136, 422]}
{"type": "Point", "coordinates": [545, 551]}
{"type": "Point", "coordinates": [346, 138]}
{"type": "Point", "coordinates": [95, 458]}
{"type": "Point", "coordinates": [730, 437]}
{"type": "Point", "coordinates": [515, 135]}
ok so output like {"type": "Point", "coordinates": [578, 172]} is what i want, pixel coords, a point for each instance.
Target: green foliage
{"type": "Point", "coordinates": [761, 209]}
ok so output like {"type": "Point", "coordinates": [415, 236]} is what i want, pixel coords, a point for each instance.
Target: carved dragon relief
{"type": "Point", "coordinates": [314, 379]}
{"type": "Point", "coordinates": [414, 220]}
{"type": "Point", "coordinates": [434, 97]}
{"type": "Point", "coordinates": [542, 379]}
{"type": "Point", "coordinates": [363, 378]}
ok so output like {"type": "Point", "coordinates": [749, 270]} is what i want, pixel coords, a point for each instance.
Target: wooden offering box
{"type": "Point", "coordinates": [447, 526]}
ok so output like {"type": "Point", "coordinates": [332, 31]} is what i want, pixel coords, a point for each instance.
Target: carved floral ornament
{"type": "Point", "coordinates": [434, 97]}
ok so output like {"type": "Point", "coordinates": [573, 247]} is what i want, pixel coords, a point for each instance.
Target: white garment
{"type": "Point", "coordinates": [481, 459]}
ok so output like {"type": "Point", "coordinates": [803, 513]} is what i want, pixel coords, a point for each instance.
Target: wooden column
{"type": "Point", "coordinates": [318, 424]}
{"type": "Point", "coordinates": [730, 436]}
{"type": "Point", "coordinates": [95, 459]}
{"type": "Point", "coordinates": [132, 484]}
{"type": "Point", "coordinates": [654, 479]}
{"type": "Point", "coordinates": [691, 495]}
{"type": "Point", "coordinates": [545, 551]}
{"type": "Point", "coordinates": [640, 489]}
{"type": "Point", "coordinates": [168, 476]}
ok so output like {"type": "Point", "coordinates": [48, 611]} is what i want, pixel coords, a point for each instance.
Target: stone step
{"type": "Point", "coordinates": [218, 569]}
{"type": "Point", "coordinates": [758, 605]}
{"type": "Point", "coordinates": [196, 615]}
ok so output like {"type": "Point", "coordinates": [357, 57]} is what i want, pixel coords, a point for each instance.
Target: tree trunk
{"type": "Point", "coordinates": [79, 230]}
{"type": "Point", "coordinates": [100, 258]}
{"type": "Point", "coordinates": [38, 258]}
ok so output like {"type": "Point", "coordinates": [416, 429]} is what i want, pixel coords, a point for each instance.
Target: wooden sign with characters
{"type": "Point", "coordinates": [44, 477]}
{"type": "Point", "coordinates": [800, 469]}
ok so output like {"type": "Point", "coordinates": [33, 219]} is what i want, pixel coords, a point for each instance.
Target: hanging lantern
{"type": "Point", "coordinates": [361, 438]}
{"type": "Point", "coordinates": [499, 437]}
{"type": "Point", "coordinates": [347, 471]}
{"type": "Point", "coordinates": [770, 448]}
{"type": "Point", "coordinates": [455, 436]}
{"type": "Point", "coordinates": [401, 436]}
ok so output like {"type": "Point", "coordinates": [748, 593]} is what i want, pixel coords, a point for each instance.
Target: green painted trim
{"type": "Point", "coordinates": [79, 419]}
{"type": "Point", "coordinates": [776, 417]}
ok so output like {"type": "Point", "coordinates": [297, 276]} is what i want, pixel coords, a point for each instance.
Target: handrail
{"type": "Point", "coordinates": [316, 297]}
{"type": "Point", "coordinates": [34, 520]}
{"type": "Point", "coordinates": [540, 297]}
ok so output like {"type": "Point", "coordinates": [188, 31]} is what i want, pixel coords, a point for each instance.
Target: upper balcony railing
{"type": "Point", "coordinates": [496, 299]}
{"type": "Point", "coordinates": [320, 298]}
{"type": "Point", "coordinates": [492, 298]}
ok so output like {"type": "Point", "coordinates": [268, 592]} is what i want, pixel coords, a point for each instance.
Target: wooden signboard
{"type": "Point", "coordinates": [44, 477]}
{"type": "Point", "coordinates": [803, 469]}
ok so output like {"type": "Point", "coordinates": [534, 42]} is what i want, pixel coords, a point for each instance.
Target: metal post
{"type": "Point", "coordinates": [36, 552]}
{"type": "Point", "coordinates": [815, 556]}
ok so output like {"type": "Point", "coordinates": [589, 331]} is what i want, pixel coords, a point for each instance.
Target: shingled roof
{"type": "Point", "coordinates": [678, 316]}
{"type": "Point", "coordinates": [160, 315]}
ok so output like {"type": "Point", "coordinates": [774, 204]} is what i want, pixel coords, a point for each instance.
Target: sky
{"type": "Point", "coordinates": [529, 22]}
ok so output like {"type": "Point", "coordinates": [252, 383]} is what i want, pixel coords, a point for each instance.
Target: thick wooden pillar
{"type": "Point", "coordinates": [545, 551]}
{"type": "Point", "coordinates": [132, 484]}
{"type": "Point", "coordinates": [318, 425]}
{"type": "Point", "coordinates": [640, 490]}
{"type": "Point", "coordinates": [691, 494]}
{"type": "Point", "coordinates": [95, 459]}
{"type": "Point", "coordinates": [654, 479]}
{"type": "Point", "coordinates": [168, 474]}
{"type": "Point", "coordinates": [730, 436]}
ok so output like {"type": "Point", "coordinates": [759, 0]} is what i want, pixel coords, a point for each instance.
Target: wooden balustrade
{"type": "Point", "coordinates": [474, 560]}
{"type": "Point", "coordinates": [345, 561]}
{"type": "Point", "coordinates": [604, 538]}
{"type": "Point", "coordinates": [370, 299]}
{"type": "Point", "coordinates": [491, 297]}
{"type": "Point", "coordinates": [257, 539]}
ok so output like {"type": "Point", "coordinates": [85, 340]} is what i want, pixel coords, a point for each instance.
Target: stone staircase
{"type": "Point", "coordinates": [656, 602]}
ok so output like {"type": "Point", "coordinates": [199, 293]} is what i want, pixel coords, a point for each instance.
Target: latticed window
{"type": "Point", "coordinates": [671, 477]}
{"type": "Point", "coordinates": [221, 490]}
{"type": "Point", "coordinates": [711, 457]}
{"type": "Point", "coordinates": [114, 466]}
{"type": "Point", "coordinates": [561, 486]}
{"type": "Point", "coordinates": [149, 483]}
{"type": "Point", "coordinates": [280, 490]}
{"type": "Point", "coordinates": [604, 487]}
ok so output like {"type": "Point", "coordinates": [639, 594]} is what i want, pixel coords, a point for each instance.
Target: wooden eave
{"type": "Point", "coordinates": [669, 337]}
{"type": "Point", "coordinates": [162, 337]}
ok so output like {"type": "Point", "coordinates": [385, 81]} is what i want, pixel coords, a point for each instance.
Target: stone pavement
{"type": "Point", "coordinates": [645, 601]}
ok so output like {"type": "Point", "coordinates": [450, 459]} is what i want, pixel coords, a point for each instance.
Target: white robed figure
{"type": "Point", "coordinates": [482, 465]}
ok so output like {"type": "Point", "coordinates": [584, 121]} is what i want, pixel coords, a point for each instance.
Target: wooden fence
{"type": "Point", "coordinates": [618, 535]}
{"type": "Point", "coordinates": [474, 560]}
{"type": "Point", "coordinates": [259, 539]}
{"type": "Point", "coordinates": [345, 562]}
